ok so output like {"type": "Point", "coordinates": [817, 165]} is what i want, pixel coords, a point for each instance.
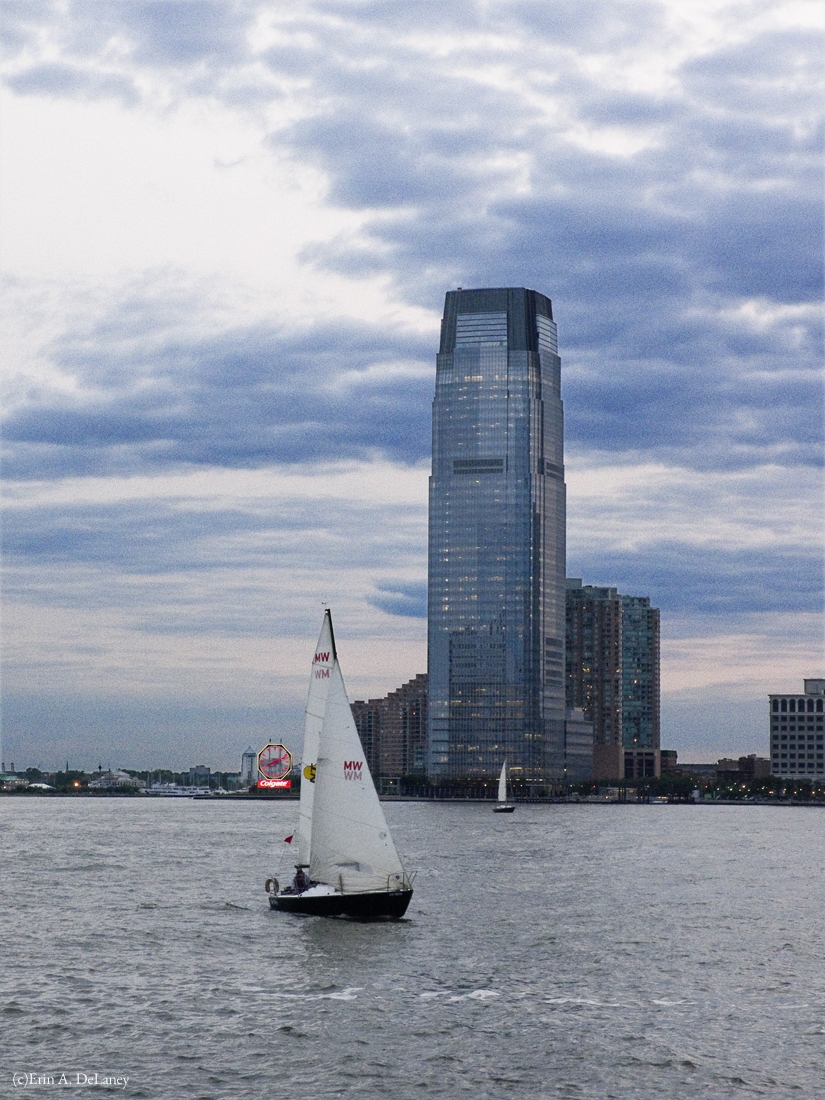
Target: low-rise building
{"type": "Point", "coordinates": [114, 780]}
{"type": "Point", "coordinates": [578, 746]}
{"type": "Point", "coordinates": [699, 771]}
{"type": "Point", "coordinates": [10, 781]}
{"type": "Point", "coordinates": [797, 732]}
{"type": "Point", "coordinates": [754, 767]}
{"type": "Point", "coordinates": [669, 759]}
{"type": "Point", "coordinates": [618, 762]}
{"type": "Point", "coordinates": [743, 770]}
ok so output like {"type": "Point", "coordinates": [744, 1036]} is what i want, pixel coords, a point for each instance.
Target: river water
{"type": "Point", "coordinates": [580, 951]}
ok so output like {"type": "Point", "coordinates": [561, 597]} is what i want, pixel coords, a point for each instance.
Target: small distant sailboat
{"type": "Point", "coordinates": [503, 806]}
{"type": "Point", "coordinates": [347, 863]}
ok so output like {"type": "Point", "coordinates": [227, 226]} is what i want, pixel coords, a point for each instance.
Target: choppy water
{"type": "Point", "coordinates": [567, 951]}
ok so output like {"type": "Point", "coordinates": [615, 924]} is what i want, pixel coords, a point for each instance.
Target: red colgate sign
{"type": "Point", "coordinates": [282, 784]}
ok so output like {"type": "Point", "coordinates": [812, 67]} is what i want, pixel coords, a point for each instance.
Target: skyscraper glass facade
{"type": "Point", "coordinates": [497, 540]}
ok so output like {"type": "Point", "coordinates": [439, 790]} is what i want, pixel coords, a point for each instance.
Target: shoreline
{"type": "Point", "coordinates": [548, 801]}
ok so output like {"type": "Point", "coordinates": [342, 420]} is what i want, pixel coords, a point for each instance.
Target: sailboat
{"type": "Point", "coordinates": [347, 862]}
{"type": "Point", "coordinates": [503, 806]}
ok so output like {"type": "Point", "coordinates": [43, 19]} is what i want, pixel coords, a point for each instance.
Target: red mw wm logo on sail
{"type": "Point", "coordinates": [321, 673]}
{"type": "Point", "coordinates": [321, 658]}
{"type": "Point", "coordinates": [352, 769]}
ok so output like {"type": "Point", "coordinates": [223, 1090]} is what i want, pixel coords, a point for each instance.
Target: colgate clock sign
{"type": "Point", "coordinates": [274, 765]}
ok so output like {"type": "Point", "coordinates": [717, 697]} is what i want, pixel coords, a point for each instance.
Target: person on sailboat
{"type": "Point", "coordinates": [301, 880]}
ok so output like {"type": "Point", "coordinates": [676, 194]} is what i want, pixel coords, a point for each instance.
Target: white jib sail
{"type": "Point", "coordinates": [319, 680]}
{"type": "Point", "coordinates": [351, 844]}
{"type": "Point", "coordinates": [502, 783]}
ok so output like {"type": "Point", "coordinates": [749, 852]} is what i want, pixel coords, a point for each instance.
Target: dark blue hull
{"type": "Point", "coordinates": [387, 905]}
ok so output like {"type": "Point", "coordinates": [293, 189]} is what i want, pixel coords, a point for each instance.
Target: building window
{"type": "Point", "coordinates": [784, 705]}
{"type": "Point", "coordinates": [480, 328]}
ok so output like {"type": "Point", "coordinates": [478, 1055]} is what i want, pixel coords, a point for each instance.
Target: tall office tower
{"type": "Point", "coordinates": [497, 540]}
{"type": "Point", "coordinates": [640, 674]}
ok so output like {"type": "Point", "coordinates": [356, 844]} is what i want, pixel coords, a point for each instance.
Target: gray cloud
{"type": "Point", "coordinates": [401, 599]}
{"type": "Point", "coordinates": [712, 580]}
{"type": "Point", "coordinates": [151, 538]}
{"type": "Point", "coordinates": [646, 256]}
{"type": "Point", "coordinates": [153, 32]}
{"type": "Point", "coordinates": [152, 398]}
{"type": "Point", "coordinates": [72, 81]}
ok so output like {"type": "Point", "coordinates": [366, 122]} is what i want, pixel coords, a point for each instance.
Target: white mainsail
{"type": "Point", "coordinates": [502, 783]}
{"type": "Point", "coordinates": [319, 681]}
{"type": "Point", "coordinates": [351, 845]}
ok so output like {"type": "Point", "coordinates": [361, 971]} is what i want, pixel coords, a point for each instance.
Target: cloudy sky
{"type": "Point", "coordinates": [228, 228]}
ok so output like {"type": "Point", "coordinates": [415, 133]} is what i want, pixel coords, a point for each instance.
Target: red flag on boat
{"type": "Point", "coordinates": [288, 839]}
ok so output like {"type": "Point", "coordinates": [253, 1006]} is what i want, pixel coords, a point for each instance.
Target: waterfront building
{"type": "Point", "coordinates": [612, 673]}
{"type": "Point", "coordinates": [578, 746]}
{"type": "Point", "coordinates": [497, 541]}
{"type": "Point", "coordinates": [616, 762]}
{"type": "Point", "coordinates": [641, 693]}
{"type": "Point", "coordinates": [797, 734]}
{"type": "Point", "coordinates": [594, 657]}
{"type": "Point", "coordinates": [249, 767]}
{"type": "Point", "coordinates": [743, 770]}
{"type": "Point", "coordinates": [669, 761]}
{"type": "Point", "coordinates": [367, 714]}
{"type": "Point", "coordinates": [393, 730]}
{"type": "Point", "coordinates": [114, 780]}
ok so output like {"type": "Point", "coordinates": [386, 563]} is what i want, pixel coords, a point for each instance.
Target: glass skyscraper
{"type": "Point", "coordinates": [497, 540]}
